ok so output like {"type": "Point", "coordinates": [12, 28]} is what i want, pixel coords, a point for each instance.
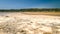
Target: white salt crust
{"type": "Point", "coordinates": [28, 24]}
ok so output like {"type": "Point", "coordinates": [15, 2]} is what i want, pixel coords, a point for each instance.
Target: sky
{"type": "Point", "coordinates": [19, 4]}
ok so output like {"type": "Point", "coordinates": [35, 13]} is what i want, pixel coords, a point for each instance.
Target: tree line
{"type": "Point", "coordinates": [32, 10]}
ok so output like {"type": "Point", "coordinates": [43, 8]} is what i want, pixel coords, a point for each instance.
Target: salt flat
{"type": "Point", "coordinates": [19, 23]}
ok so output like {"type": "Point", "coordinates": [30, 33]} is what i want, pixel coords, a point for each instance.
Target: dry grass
{"type": "Point", "coordinates": [42, 13]}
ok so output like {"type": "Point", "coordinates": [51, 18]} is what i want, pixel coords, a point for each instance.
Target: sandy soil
{"type": "Point", "coordinates": [20, 23]}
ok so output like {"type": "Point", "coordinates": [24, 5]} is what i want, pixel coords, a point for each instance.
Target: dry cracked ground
{"type": "Point", "coordinates": [19, 23]}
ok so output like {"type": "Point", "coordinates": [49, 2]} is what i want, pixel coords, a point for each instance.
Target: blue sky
{"type": "Point", "coordinates": [18, 4]}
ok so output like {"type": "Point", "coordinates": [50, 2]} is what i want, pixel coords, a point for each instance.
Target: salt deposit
{"type": "Point", "coordinates": [28, 24]}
